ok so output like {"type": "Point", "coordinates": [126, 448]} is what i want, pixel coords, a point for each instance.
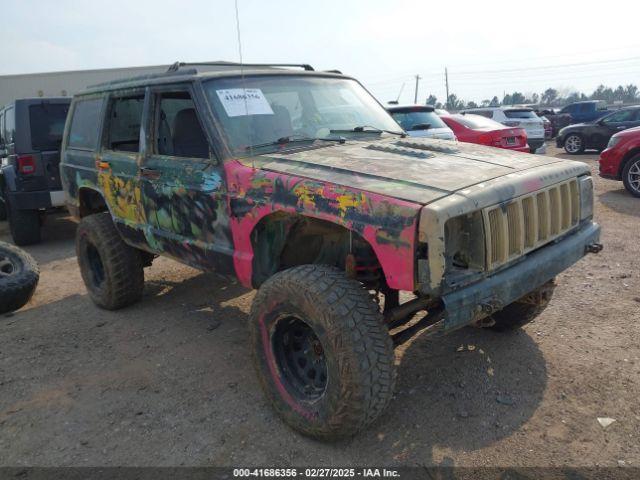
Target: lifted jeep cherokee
{"type": "Point", "coordinates": [302, 186]}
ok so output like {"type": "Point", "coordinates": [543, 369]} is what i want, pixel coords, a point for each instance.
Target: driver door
{"type": "Point", "coordinates": [182, 187]}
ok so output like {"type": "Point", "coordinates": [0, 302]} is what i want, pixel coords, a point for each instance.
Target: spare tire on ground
{"type": "Point", "coordinates": [19, 276]}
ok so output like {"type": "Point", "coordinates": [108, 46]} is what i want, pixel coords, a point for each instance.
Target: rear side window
{"type": "Point", "coordinates": [85, 124]}
{"type": "Point", "coordinates": [125, 118]}
{"type": "Point", "coordinates": [520, 114]}
{"type": "Point", "coordinates": [47, 125]}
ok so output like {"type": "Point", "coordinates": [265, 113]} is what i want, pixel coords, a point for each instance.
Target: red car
{"type": "Point", "coordinates": [484, 131]}
{"type": "Point", "coordinates": [621, 160]}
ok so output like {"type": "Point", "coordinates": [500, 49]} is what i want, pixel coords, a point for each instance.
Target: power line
{"type": "Point", "coordinates": [547, 67]}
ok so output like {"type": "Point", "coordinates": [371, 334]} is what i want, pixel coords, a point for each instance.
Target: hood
{"type": "Point", "coordinates": [420, 170]}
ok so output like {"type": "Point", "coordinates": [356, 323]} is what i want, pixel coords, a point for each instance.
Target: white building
{"type": "Point", "coordinates": [63, 84]}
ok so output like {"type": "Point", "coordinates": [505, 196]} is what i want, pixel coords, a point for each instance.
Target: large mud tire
{"type": "Point", "coordinates": [23, 224]}
{"type": "Point", "coordinates": [112, 270]}
{"type": "Point", "coordinates": [524, 310]}
{"type": "Point", "coordinates": [19, 276]}
{"type": "Point", "coordinates": [348, 343]}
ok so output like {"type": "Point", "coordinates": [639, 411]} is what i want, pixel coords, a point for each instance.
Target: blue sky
{"type": "Point", "coordinates": [489, 47]}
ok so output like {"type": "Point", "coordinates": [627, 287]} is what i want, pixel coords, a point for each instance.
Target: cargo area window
{"type": "Point", "coordinates": [125, 118]}
{"type": "Point", "coordinates": [178, 130]}
{"type": "Point", "coordinates": [47, 125]}
{"type": "Point", "coordinates": [85, 123]}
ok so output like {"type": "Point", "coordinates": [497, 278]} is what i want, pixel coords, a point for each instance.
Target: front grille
{"type": "Point", "coordinates": [525, 223]}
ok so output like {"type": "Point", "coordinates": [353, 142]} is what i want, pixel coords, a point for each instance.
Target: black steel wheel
{"type": "Point", "coordinates": [300, 357]}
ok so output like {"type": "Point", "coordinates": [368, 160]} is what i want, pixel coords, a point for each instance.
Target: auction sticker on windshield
{"type": "Point", "coordinates": [244, 101]}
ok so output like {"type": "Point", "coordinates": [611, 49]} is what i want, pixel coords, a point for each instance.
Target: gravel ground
{"type": "Point", "coordinates": [169, 381]}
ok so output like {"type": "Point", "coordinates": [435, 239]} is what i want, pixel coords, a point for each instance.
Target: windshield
{"type": "Point", "coordinates": [47, 125]}
{"type": "Point", "coordinates": [520, 114]}
{"type": "Point", "coordinates": [262, 110]}
{"type": "Point", "coordinates": [411, 119]}
{"type": "Point", "coordinates": [477, 122]}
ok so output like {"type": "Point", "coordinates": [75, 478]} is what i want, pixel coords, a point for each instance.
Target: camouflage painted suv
{"type": "Point", "coordinates": [302, 186]}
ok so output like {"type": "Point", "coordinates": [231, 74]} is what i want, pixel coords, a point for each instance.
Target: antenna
{"type": "Point", "coordinates": [246, 106]}
{"type": "Point", "coordinates": [400, 92]}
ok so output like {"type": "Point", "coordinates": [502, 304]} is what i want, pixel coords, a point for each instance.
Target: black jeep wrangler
{"type": "Point", "coordinates": [30, 136]}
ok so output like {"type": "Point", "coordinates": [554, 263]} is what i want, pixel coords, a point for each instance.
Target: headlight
{"type": "Point", "coordinates": [464, 242]}
{"type": "Point", "coordinates": [613, 141]}
{"type": "Point", "coordinates": [586, 197]}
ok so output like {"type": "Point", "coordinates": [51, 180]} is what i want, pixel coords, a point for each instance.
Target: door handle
{"type": "Point", "coordinates": [621, 127]}
{"type": "Point", "coordinates": [150, 173]}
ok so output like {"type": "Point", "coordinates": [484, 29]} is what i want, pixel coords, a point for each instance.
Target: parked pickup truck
{"type": "Point", "coordinates": [586, 111]}
{"type": "Point", "coordinates": [301, 185]}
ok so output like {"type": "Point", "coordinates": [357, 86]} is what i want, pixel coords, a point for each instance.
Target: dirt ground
{"type": "Point", "coordinates": [169, 381]}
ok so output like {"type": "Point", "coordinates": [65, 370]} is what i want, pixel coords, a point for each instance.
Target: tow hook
{"type": "Point", "coordinates": [593, 248]}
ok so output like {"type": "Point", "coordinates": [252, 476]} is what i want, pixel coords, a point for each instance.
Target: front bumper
{"type": "Point", "coordinates": [609, 164]}
{"type": "Point", "coordinates": [481, 299]}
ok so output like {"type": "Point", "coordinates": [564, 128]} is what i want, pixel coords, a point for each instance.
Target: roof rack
{"type": "Point", "coordinates": [176, 66]}
{"type": "Point", "coordinates": [149, 76]}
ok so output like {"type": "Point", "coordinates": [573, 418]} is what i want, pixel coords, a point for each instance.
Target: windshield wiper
{"type": "Point", "coordinates": [369, 129]}
{"type": "Point", "coordinates": [293, 138]}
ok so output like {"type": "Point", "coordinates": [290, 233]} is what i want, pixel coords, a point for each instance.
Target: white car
{"type": "Point", "coordinates": [520, 117]}
{"type": "Point", "coordinates": [421, 121]}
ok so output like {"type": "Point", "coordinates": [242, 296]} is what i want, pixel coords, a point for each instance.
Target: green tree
{"type": "Point", "coordinates": [495, 102]}
{"type": "Point", "coordinates": [549, 96]}
{"type": "Point", "coordinates": [432, 100]}
{"type": "Point", "coordinates": [517, 97]}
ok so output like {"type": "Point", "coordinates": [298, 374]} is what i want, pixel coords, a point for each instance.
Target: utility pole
{"type": "Point", "coordinates": [446, 82]}
{"type": "Point", "coordinates": [415, 98]}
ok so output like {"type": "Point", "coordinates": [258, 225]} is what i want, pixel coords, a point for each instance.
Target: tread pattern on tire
{"type": "Point", "coordinates": [24, 225]}
{"type": "Point", "coordinates": [356, 330]}
{"type": "Point", "coordinates": [122, 263]}
{"type": "Point", "coordinates": [17, 289]}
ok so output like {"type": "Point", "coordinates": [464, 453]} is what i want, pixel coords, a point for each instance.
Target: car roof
{"type": "Point", "coordinates": [410, 106]}
{"type": "Point", "coordinates": [178, 73]}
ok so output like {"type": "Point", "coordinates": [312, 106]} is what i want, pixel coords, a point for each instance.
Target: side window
{"type": "Point", "coordinates": [585, 108]}
{"type": "Point", "coordinates": [621, 116]}
{"type": "Point", "coordinates": [9, 125]}
{"type": "Point", "coordinates": [125, 117]}
{"type": "Point", "coordinates": [83, 132]}
{"type": "Point", "coordinates": [178, 132]}
{"type": "Point", "coordinates": [2, 128]}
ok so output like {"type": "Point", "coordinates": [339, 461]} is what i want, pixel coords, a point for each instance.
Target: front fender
{"type": "Point", "coordinates": [389, 225]}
